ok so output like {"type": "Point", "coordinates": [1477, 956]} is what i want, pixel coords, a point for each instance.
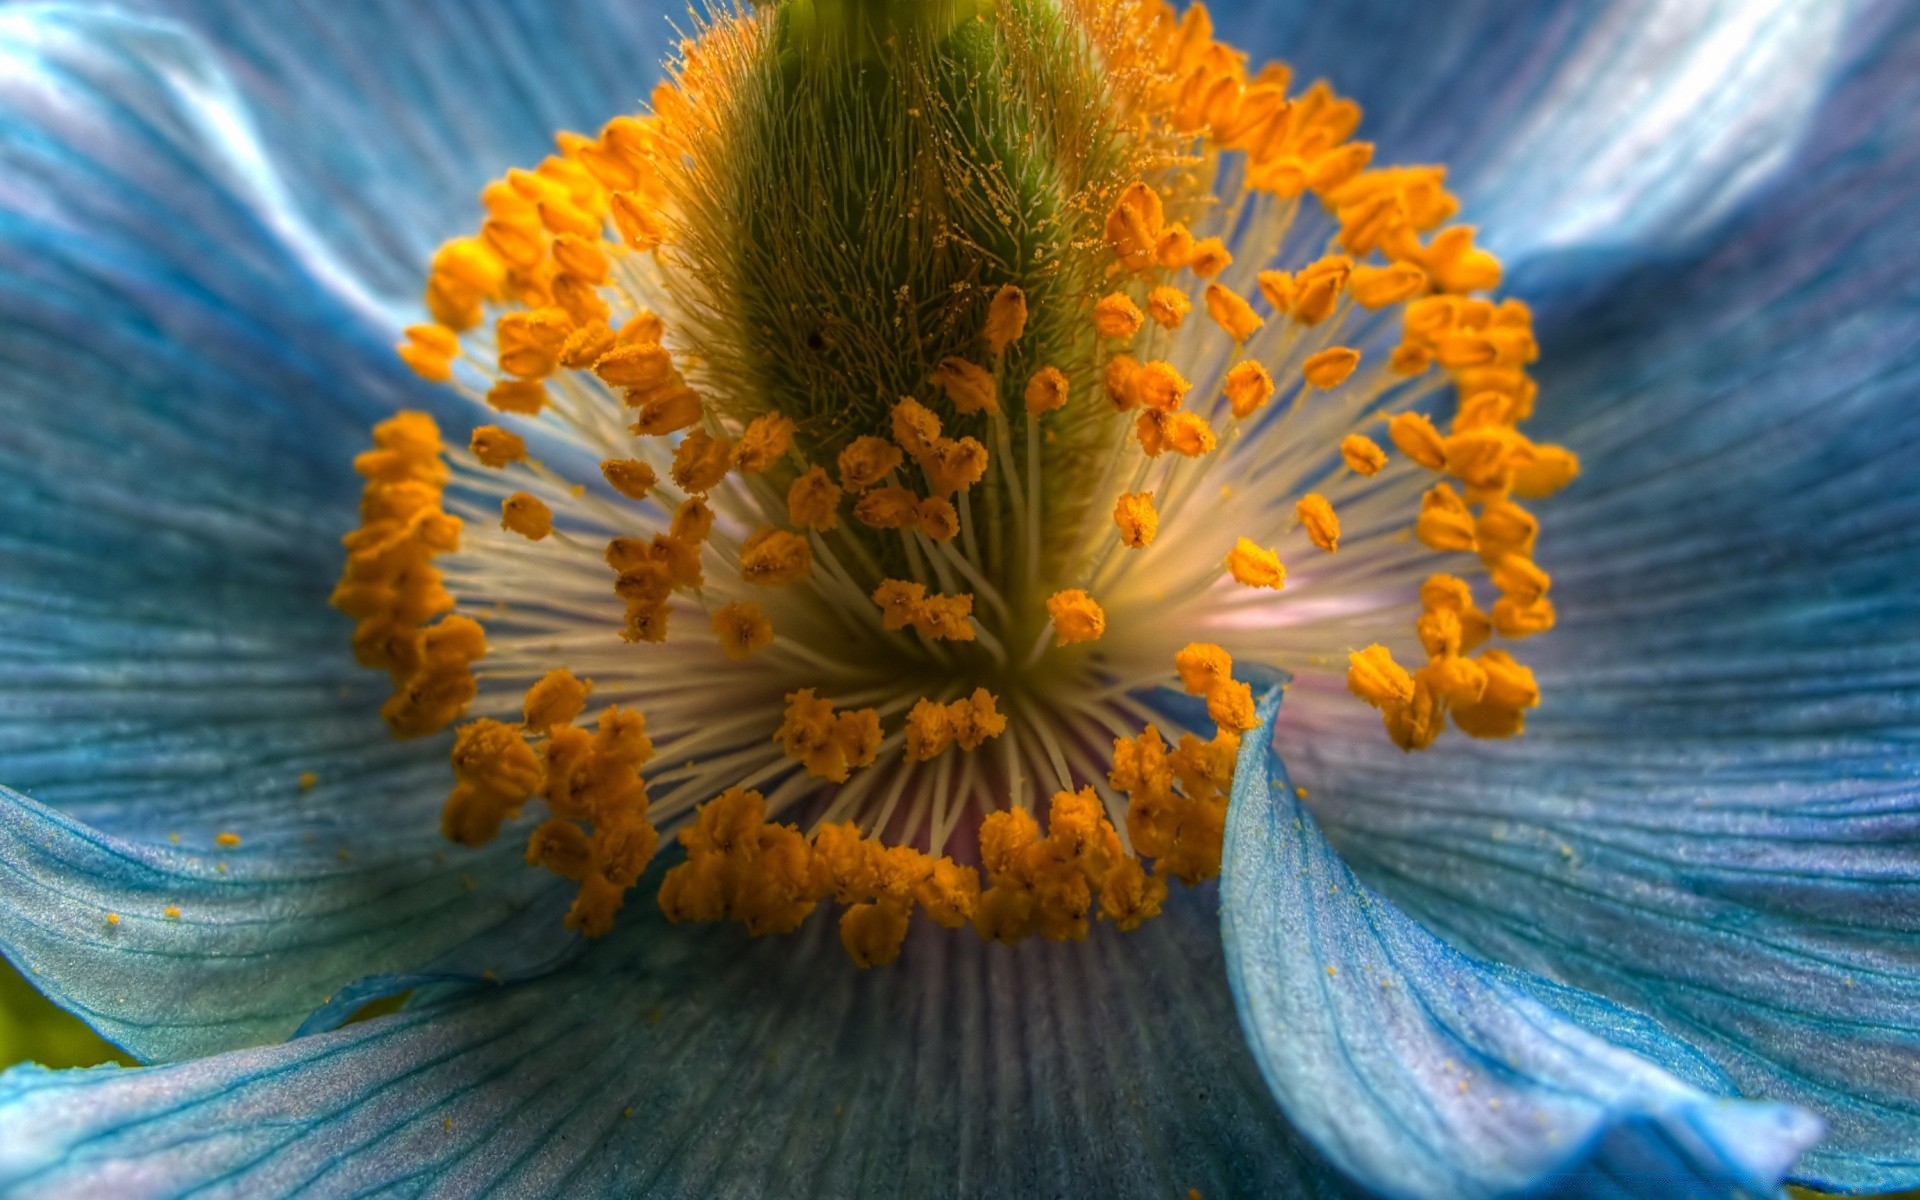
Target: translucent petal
{"type": "Point", "coordinates": [695, 1061]}
{"type": "Point", "coordinates": [1426, 1073]}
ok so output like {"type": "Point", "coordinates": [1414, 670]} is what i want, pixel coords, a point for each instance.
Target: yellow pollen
{"type": "Point", "coordinates": [1209, 257]}
{"type": "Point", "coordinates": [764, 443]}
{"type": "Point", "coordinates": [775, 558]}
{"type": "Point", "coordinates": [866, 461]}
{"type": "Point", "coordinates": [1136, 519]}
{"type": "Point", "coordinates": [1076, 617]}
{"type": "Point", "coordinates": [496, 447]}
{"type": "Point", "coordinates": [1159, 386]}
{"type": "Point", "coordinates": [171, 912]}
{"type": "Point", "coordinates": [1317, 516]}
{"type": "Point", "coordinates": [113, 918]}
{"type": "Point", "coordinates": [429, 350]}
{"type": "Point", "coordinates": [1046, 391]}
{"type": "Point", "coordinates": [1006, 319]}
{"type": "Point", "coordinates": [742, 629]}
{"type": "Point", "coordinates": [1330, 367]}
{"type": "Point", "coordinates": [228, 840]}
{"type": "Point", "coordinates": [1362, 455]}
{"type": "Point", "coordinates": [813, 501]}
{"type": "Point", "coordinates": [522, 397]}
{"type": "Point", "coordinates": [828, 744]}
{"type": "Point", "coordinates": [1231, 313]}
{"type": "Point", "coordinates": [1168, 306]}
{"type": "Point", "coordinates": [558, 699]}
{"type": "Point", "coordinates": [1248, 388]}
{"type": "Point", "coordinates": [1416, 438]}
{"type": "Point", "coordinates": [969, 386]}
{"type": "Point", "coordinates": [1373, 676]}
{"type": "Point", "coordinates": [1256, 567]}
{"type": "Point", "coordinates": [308, 780]}
{"type": "Point", "coordinates": [915, 426]}
{"type": "Point", "coordinates": [701, 461]}
{"type": "Point", "coordinates": [1117, 317]}
{"type": "Point", "coordinates": [526, 515]}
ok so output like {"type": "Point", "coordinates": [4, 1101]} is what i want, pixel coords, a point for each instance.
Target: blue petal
{"type": "Point", "coordinates": [1715, 816]}
{"type": "Point", "coordinates": [173, 953]}
{"type": "Point", "coordinates": [185, 375]}
{"type": "Point", "coordinates": [1563, 122]}
{"type": "Point", "coordinates": [1109, 1068]}
{"type": "Point", "coordinates": [388, 115]}
{"type": "Point", "coordinates": [1425, 1073]}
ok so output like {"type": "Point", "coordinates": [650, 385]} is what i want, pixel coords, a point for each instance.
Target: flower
{"type": "Point", "coordinates": [1654, 902]}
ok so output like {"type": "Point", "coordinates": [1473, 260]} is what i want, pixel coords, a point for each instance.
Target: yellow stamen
{"type": "Point", "coordinates": [1362, 455]}
{"type": "Point", "coordinates": [1330, 367]}
{"type": "Point", "coordinates": [526, 515]}
{"type": "Point", "coordinates": [1256, 567]}
{"type": "Point", "coordinates": [1322, 526]}
{"type": "Point", "coordinates": [742, 629]}
{"type": "Point", "coordinates": [1077, 617]}
{"type": "Point", "coordinates": [1136, 518]}
{"type": "Point", "coordinates": [1006, 319]}
{"type": "Point", "coordinates": [1248, 388]}
{"type": "Point", "coordinates": [1232, 313]}
{"type": "Point", "coordinates": [1116, 316]}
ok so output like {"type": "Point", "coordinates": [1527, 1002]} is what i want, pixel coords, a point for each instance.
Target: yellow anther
{"type": "Point", "coordinates": [1256, 567]}
{"type": "Point", "coordinates": [1378, 287]}
{"type": "Point", "coordinates": [899, 602]}
{"type": "Point", "coordinates": [1457, 680]}
{"type": "Point", "coordinates": [646, 621]}
{"type": "Point", "coordinates": [1173, 249]}
{"type": "Point", "coordinates": [1505, 528]}
{"type": "Point", "coordinates": [1520, 580]}
{"type": "Point", "coordinates": [1117, 380]}
{"type": "Point", "coordinates": [701, 461]}
{"type": "Point", "coordinates": [171, 912]}
{"type": "Point", "coordinates": [1540, 471]}
{"type": "Point", "coordinates": [1232, 313]}
{"type": "Point", "coordinates": [1160, 387]}
{"type": "Point", "coordinates": [1416, 437]}
{"type": "Point", "coordinates": [866, 461]}
{"type": "Point", "coordinates": [526, 515]}
{"type": "Point", "coordinates": [587, 345]}
{"type": "Point", "coordinates": [1130, 897]}
{"type": "Point", "coordinates": [938, 519]}
{"type": "Point", "coordinates": [742, 629]}
{"type": "Point", "coordinates": [692, 521]}
{"type": "Point", "coordinates": [630, 477]}
{"type": "Point", "coordinates": [640, 227]}
{"type": "Point", "coordinates": [915, 426]}
{"type": "Point", "coordinates": [1077, 617]}
{"type": "Point", "coordinates": [642, 329]}
{"type": "Point", "coordinates": [1483, 457]}
{"type": "Point", "coordinates": [557, 699]}
{"type": "Point", "coordinates": [945, 618]}
{"type": "Point", "coordinates": [530, 342]}
{"type": "Point", "coordinates": [970, 387]}
{"type": "Point", "coordinates": [762, 444]}
{"type": "Point", "coordinates": [1441, 630]}
{"type": "Point", "coordinates": [308, 781]}
{"type": "Point", "coordinates": [1318, 287]}
{"type": "Point", "coordinates": [1444, 522]}
{"type": "Point", "coordinates": [1409, 360]}
{"type": "Point", "coordinates": [226, 840]}
{"type": "Point", "coordinates": [496, 447]}
{"type": "Point", "coordinates": [1209, 257]}
{"type": "Point", "coordinates": [113, 918]}
{"type": "Point", "coordinates": [1317, 516]}
{"type": "Point", "coordinates": [1415, 724]}
{"type": "Point", "coordinates": [522, 397]}
{"type": "Point", "coordinates": [1330, 367]}
{"type": "Point", "coordinates": [813, 501]}
{"type": "Point", "coordinates": [1230, 706]}
{"type": "Point", "coordinates": [639, 365]}
{"type": "Point", "coordinates": [1168, 306]}
{"type": "Point", "coordinates": [493, 757]}
{"type": "Point", "coordinates": [666, 411]}
{"type": "Point", "coordinates": [1006, 319]}
{"type": "Point", "coordinates": [1136, 519]}
{"type": "Point", "coordinates": [463, 275]}
{"type": "Point", "coordinates": [1279, 288]}
{"type": "Point", "coordinates": [429, 351]}
{"type": "Point", "coordinates": [1133, 226]}
{"type": "Point", "coordinates": [829, 745]}
{"type": "Point", "coordinates": [581, 257]}
{"type": "Point", "coordinates": [1184, 433]}
{"type": "Point", "coordinates": [1248, 387]}
{"type": "Point", "coordinates": [975, 720]}
{"type": "Point", "coordinates": [949, 894]}
{"type": "Point", "coordinates": [1457, 265]}
{"type": "Point", "coordinates": [1203, 667]}
{"type": "Point", "coordinates": [873, 932]}
{"type": "Point", "coordinates": [561, 847]}
{"type": "Point", "coordinates": [929, 731]}
{"type": "Point", "coordinates": [1373, 676]}
{"type": "Point", "coordinates": [1362, 454]}
{"type": "Point", "coordinates": [1116, 316]}
{"type": "Point", "coordinates": [1514, 619]}
{"type": "Point", "coordinates": [953, 466]}
{"type": "Point", "coordinates": [888, 508]}
{"type": "Point", "coordinates": [1046, 391]}
{"type": "Point", "coordinates": [775, 557]}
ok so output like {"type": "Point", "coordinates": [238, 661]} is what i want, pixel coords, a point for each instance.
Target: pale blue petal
{"type": "Point", "coordinates": [1569, 123]}
{"type": "Point", "coordinates": [1715, 815]}
{"type": "Point", "coordinates": [185, 375]}
{"type": "Point", "coordinates": [387, 116]}
{"type": "Point", "coordinates": [1428, 1074]}
{"type": "Point", "coordinates": [1111, 1068]}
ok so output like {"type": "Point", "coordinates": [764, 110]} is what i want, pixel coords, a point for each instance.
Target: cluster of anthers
{"type": "Point", "coordinates": [881, 619]}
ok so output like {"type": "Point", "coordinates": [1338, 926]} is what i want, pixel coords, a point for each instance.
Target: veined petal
{"type": "Point", "coordinates": [1567, 123]}
{"type": "Point", "coordinates": [184, 378]}
{"type": "Point", "coordinates": [1425, 1073]}
{"type": "Point", "coordinates": [692, 1061]}
{"type": "Point", "coordinates": [401, 111]}
{"type": "Point", "coordinates": [172, 953]}
{"type": "Point", "coordinates": [1713, 818]}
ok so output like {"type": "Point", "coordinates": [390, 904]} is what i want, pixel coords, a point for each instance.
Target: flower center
{"type": "Point", "coordinates": [897, 430]}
